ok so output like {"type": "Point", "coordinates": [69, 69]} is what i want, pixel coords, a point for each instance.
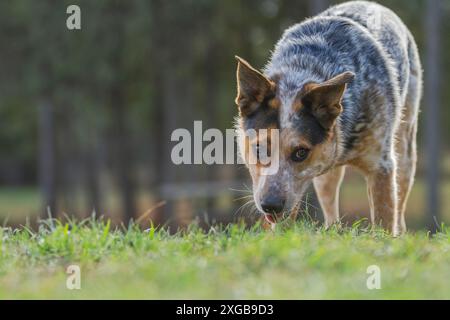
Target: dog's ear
{"type": "Point", "coordinates": [324, 99]}
{"type": "Point", "coordinates": [252, 87]}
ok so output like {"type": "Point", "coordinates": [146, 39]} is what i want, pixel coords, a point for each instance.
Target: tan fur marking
{"type": "Point", "coordinates": [250, 146]}
{"type": "Point", "coordinates": [327, 189]}
{"type": "Point", "coordinates": [406, 153]}
{"type": "Point", "coordinates": [297, 105]}
{"type": "Point", "coordinates": [274, 103]}
{"type": "Point", "coordinates": [382, 194]}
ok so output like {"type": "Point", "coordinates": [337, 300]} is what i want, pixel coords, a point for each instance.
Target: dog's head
{"type": "Point", "coordinates": [306, 143]}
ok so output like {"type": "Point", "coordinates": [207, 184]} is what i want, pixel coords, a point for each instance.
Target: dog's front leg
{"type": "Point", "coordinates": [382, 192]}
{"type": "Point", "coordinates": [327, 190]}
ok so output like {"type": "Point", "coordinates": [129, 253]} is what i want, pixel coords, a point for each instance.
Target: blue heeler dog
{"type": "Point", "coordinates": [342, 88]}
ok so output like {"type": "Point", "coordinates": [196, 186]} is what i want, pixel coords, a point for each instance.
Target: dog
{"type": "Point", "coordinates": [342, 88]}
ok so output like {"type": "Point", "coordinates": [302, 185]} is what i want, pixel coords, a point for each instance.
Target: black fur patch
{"type": "Point", "coordinates": [351, 133]}
{"type": "Point", "coordinates": [308, 126]}
{"type": "Point", "coordinates": [264, 117]}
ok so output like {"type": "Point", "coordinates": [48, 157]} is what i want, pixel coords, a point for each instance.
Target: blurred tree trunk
{"type": "Point", "coordinates": [92, 177]}
{"type": "Point", "coordinates": [47, 161]}
{"type": "Point", "coordinates": [66, 153]}
{"type": "Point", "coordinates": [211, 105]}
{"type": "Point", "coordinates": [432, 114]}
{"type": "Point", "coordinates": [158, 138]}
{"type": "Point", "coordinates": [123, 151]}
{"type": "Point", "coordinates": [170, 110]}
{"type": "Point", "coordinates": [170, 101]}
{"type": "Point", "coordinates": [161, 91]}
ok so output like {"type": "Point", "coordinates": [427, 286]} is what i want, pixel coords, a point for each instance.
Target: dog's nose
{"type": "Point", "coordinates": [272, 205]}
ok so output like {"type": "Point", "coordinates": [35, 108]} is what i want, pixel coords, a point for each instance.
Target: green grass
{"type": "Point", "coordinates": [303, 261]}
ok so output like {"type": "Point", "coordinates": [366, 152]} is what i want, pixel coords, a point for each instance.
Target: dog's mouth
{"type": "Point", "coordinates": [273, 217]}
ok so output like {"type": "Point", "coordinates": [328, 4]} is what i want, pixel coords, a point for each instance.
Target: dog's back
{"type": "Point", "coordinates": [390, 32]}
{"type": "Point", "coordinates": [362, 37]}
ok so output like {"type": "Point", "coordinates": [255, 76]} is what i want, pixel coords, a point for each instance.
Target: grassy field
{"type": "Point", "coordinates": [302, 261]}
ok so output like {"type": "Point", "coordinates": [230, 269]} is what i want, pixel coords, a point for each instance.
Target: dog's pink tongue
{"type": "Point", "coordinates": [269, 218]}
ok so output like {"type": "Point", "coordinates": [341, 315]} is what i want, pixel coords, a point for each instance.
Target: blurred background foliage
{"type": "Point", "coordinates": [86, 115]}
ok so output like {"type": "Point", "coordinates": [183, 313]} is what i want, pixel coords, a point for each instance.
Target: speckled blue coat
{"type": "Point", "coordinates": [362, 37]}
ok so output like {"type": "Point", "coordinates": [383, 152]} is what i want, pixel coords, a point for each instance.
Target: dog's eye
{"type": "Point", "coordinates": [299, 155]}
